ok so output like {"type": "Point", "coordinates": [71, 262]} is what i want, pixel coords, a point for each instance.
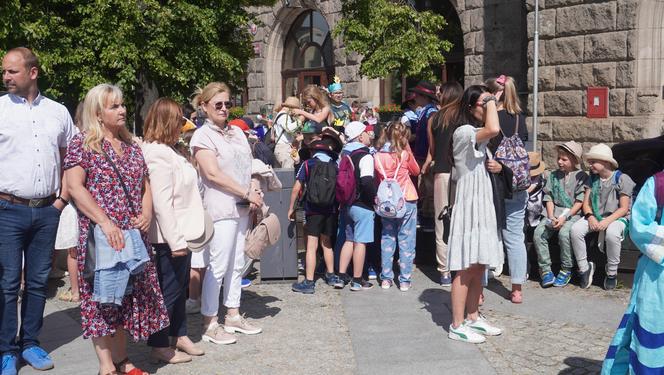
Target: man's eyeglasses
{"type": "Point", "coordinates": [220, 105]}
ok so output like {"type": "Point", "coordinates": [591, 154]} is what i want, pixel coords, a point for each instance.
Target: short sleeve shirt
{"type": "Point", "coordinates": [31, 136]}
{"type": "Point", "coordinates": [610, 192]}
{"type": "Point", "coordinates": [574, 186]}
{"type": "Point", "coordinates": [233, 156]}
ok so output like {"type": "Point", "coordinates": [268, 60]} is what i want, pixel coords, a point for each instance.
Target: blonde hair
{"type": "Point", "coordinates": [510, 97]}
{"type": "Point", "coordinates": [397, 134]}
{"type": "Point", "coordinates": [95, 101]}
{"type": "Point", "coordinates": [210, 90]}
{"type": "Point", "coordinates": [313, 92]}
{"type": "Point", "coordinates": [163, 122]}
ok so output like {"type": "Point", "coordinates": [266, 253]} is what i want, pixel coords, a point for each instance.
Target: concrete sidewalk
{"type": "Point", "coordinates": [379, 331]}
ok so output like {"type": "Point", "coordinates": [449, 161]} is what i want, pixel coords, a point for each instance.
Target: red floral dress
{"type": "Point", "coordinates": [143, 312]}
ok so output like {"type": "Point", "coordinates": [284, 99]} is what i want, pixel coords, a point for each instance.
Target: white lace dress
{"type": "Point", "coordinates": [474, 237]}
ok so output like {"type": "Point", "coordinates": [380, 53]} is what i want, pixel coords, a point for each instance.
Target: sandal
{"type": "Point", "coordinates": [516, 296]}
{"type": "Point", "coordinates": [68, 296]}
{"type": "Point", "coordinates": [134, 371]}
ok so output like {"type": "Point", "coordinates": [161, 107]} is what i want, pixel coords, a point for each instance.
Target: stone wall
{"type": "Point", "coordinates": [585, 44]}
{"type": "Point", "coordinates": [264, 71]}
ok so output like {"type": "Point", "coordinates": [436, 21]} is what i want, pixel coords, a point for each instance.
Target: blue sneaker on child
{"type": "Point", "coordinates": [305, 286]}
{"type": "Point", "coordinates": [562, 279]}
{"type": "Point", "coordinates": [331, 279]}
{"type": "Point", "coordinates": [371, 272]}
{"type": "Point", "coordinates": [445, 279]}
{"type": "Point", "coordinates": [9, 362]}
{"type": "Point", "coordinates": [37, 358]}
{"type": "Point", "coordinates": [245, 283]}
{"type": "Point", "coordinates": [547, 279]}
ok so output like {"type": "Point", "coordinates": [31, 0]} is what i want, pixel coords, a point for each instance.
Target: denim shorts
{"type": "Point", "coordinates": [359, 225]}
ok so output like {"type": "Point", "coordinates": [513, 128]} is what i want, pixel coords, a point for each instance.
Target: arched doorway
{"type": "Point", "coordinates": [308, 56]}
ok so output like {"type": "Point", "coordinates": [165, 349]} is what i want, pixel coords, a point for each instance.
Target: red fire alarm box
{"type": "Point", "coordinates": [598, 102]}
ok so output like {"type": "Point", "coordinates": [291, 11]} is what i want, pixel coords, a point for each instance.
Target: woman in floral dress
{"type": "Point", "coordinates": [100, 197]}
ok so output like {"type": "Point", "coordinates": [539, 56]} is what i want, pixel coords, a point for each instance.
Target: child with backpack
{"type": "Point", "coordinates": [606, 206]}
{"type": "Point", "coordinates": [317, 177]}
{"type": "Point", "coordinates": [563, 197]}
{"type": "Point", "coordinates": [635, 348]}
{"type": "Point", "coordinates": [396, 202]}
{"type": "Point", "coordinates": [355, 192]}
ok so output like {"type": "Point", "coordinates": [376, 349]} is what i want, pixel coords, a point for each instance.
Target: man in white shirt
{"type": "Point", "coordinates": [34, 133]}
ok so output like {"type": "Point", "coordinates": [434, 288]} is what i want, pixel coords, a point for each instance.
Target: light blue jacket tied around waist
{"type": "Point", "coordinates": [113, 268]}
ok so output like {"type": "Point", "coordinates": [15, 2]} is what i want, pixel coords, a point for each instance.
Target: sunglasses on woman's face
{"type": "Point", "coordinates": [218, 106]}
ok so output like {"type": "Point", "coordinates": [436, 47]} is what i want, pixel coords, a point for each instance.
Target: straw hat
{"type": "Point", "coordinates": [537, 166]}
{"type": "Point", "coordinates": [573, 148]}
{"type": "Point", "coordinates": [602, 152]}
{"type": "Point", "coordinates": [291, 102]}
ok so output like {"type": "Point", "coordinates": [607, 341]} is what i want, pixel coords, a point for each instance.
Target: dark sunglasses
{"type": "Point", "coordinates": [220, 105]}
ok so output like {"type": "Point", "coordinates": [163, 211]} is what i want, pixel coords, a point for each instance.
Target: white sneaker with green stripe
{"type": "Point", "coordinates": [465, 334]}
{"type": "Point", "coordinates": [483, 327]}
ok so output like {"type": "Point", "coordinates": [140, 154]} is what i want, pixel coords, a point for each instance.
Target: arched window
{"type": "Point", "coordinates": [307, 53]}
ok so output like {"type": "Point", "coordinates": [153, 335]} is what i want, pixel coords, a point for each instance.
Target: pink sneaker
{"type": "Point", "coordinates": [239, 324]}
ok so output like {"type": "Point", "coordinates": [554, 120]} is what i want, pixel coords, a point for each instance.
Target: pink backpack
{"type": "Point", "coordinates": [346, 186]}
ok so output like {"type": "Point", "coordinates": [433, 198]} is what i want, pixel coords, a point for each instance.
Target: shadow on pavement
{"type": "Point", "coordinates": [437, 302]}
{"type": "Point", "coordinates": [591, 366]}
{"type": "Point", "coordinates": [497, 287]}
{"type": "Point", "coordinates": [256, 306]}
{"type": "Point", "coordinates": [59, 329]}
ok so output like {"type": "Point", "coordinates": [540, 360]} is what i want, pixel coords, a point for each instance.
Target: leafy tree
{"type": "Point", "coordinates": [171, 45]}
{"type": "Point", "coordinates": [392, 37]}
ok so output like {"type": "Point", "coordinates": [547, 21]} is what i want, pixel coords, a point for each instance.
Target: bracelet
{"type": "Point", "coordinates": [489, 98]}
{"type": "Point", "coordinates": [66, 202]}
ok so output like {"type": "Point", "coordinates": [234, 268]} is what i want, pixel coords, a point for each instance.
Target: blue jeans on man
{"type": "Point", "coordinates": [27, 233]}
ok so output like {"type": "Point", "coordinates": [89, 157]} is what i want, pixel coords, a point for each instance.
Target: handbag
{"type": "Point", "coordinates": [446, 213]}
{"type": "Point", "coordinates": [90, 255]}
{"type": "Point", "coordinates": [265, 234]}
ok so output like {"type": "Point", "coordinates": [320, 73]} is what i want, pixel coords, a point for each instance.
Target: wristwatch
{"type": "Point", "coordinates": [488, 99]}
{"type": "Point", "coordinates": [586, 216]}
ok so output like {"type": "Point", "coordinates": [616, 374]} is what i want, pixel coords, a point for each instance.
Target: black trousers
{"type": "Point", "coordinates": [173, 274]}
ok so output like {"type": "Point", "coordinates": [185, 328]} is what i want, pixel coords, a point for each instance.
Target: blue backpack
{"type": "Point", "coordinates": [390, 202]}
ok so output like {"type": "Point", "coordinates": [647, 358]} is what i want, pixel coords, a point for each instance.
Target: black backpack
{"type": "Point", "coordinates": [321, 182]}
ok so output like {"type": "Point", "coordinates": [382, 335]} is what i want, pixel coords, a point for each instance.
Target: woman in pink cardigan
{"type": "Point", "coordinates": [395, 162]}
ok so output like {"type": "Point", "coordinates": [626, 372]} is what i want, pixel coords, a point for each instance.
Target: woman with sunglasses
{"type": "Point", "coordinates": [178, 215]}
{"type": "Point", "coordinates": [474, 242]}
{"type": "Point", "coordinates": [224, 158]}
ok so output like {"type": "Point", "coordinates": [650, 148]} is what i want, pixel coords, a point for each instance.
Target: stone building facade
{"type": "Point", "coordinates": [616, 44]}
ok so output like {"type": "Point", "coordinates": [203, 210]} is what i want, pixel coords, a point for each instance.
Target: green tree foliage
{"type": "Point", "coordinates": [176, 45]}
{"type": "Point", "coordinates": [392, 37]}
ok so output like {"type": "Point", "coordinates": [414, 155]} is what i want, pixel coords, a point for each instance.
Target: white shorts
{"type": "Point", "coordinates": [201, 259]}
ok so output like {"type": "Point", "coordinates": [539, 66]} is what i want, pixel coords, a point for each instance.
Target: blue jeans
{"type": "Point", "coordinates": [173, 274]}
{"type": "Point", "coordinates": [25, 233]}
{"type": "Point", "coordinates": [514, 237]}
{"type": "Point", "coordinates": [402, 231]}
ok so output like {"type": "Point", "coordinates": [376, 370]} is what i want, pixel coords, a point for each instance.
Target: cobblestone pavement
{"type": "Point", "coordinates": [555, 331]}
{"type": "Point", "coordinates": [549, 346]}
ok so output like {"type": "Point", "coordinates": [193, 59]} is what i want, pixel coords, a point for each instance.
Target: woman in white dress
{"type": "Point", "coordinates": [474, 242]}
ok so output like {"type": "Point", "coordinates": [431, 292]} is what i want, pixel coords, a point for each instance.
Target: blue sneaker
{"type": "Point", "coordinates": [562, 279]}
{"type": "Point", "coordinates": [446, 279]}
{"type": "Point", "coordinates": [356, 286]}
{"type": "Point", "coordinates": [305, 287]}
{"type": "Point", "coordinates": [371, 272]}
{"type": "Point", "coordinates": [547, 279]}
{"type": "Point", "coordinates": [245, 283]}
{"type": "Point", "coordinates": [37, 358]}
{"type": "Point", "coordinates": [331, 279]}
{"type": "Point", "coordinates": [9, 362]}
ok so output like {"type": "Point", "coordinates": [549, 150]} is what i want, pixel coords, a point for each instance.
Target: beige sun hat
{"type": "Point", "coordinates": [602, 152]}
{"type": "Point", "coordinates": [573, 148]}
{"type": "Point", "coordinates": [291, 102]}
{"type": "Point", "coordinates": [537, 166]}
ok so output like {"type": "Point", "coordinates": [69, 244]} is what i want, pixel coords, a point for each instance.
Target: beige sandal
{"type": "Point", "coordinates": [68, 296]}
